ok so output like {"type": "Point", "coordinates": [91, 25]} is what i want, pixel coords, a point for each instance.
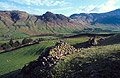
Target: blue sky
{"type": "Point", "coordinates": [65, 7]}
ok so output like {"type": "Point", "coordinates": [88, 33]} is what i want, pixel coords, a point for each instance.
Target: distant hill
{"type": "Point", "coordinates": [111, 18]}
{"type": "Point", "coordinates": [22, 22]}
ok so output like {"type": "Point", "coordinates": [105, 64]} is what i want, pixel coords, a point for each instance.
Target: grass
{"type": "Point", "coordinates": [16, 59]}
{"type": "Point", "coordinates": [19, 35]}
{"type": "Point", "coordinates": [113, 28]}
{"type": "Point", "coordinates": [44, 37]}
{"type": "Point", "coordinates": [74, 41]}
{"type": "Point", "coordinates": [1, 38]}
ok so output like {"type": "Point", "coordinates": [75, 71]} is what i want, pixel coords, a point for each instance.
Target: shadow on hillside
{"type": "Point", "coordinates": [96, 68]}
{"type": "Point", "coordinates": [99, 43]}
{"type": "Point", "coordinates": [11, 74]}
{"type": "Point", "coordinates": [82, 45]}
{"type": "Point", "coordinates": [104, 43]}
{"type": "Point", "coordinates": [38, 52]}
{"type": "Point", "coordinates": [115, 39]}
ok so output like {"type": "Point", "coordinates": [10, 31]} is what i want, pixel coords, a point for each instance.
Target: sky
{"type": "Point", "coordinates": [65, 7]}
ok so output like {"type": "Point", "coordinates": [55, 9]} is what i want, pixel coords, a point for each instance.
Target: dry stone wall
{"type": "Point", "coordinates": [49, 58]}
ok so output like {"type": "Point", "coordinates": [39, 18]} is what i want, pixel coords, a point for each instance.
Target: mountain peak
{"type": "Point", "coordinates": [58, 20]}
{"type": "Point", "coordinates": [48, 13]}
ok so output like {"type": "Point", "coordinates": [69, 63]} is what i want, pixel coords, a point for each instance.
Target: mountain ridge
{"type": "Point", "coordinates": [99, 18]}
{"type": "Point", "coordinates": [13, 22]}
{"type": "Point", "coordinates": [22, 22]}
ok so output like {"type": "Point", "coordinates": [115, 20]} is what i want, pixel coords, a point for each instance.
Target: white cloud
{"type": "Point", "coordinates": [40, 2]}
{"type": "Point", "coordinates": [36, 11]}
{"type": "Point", "coordinates": [10, 6]}
{"type": "Point", "coordinates": [42, 11]}
{"type": "Point", "coordinates": [108, 6]}
{"type": "Point", "coordinates": [85, 9]}
{"type": "Point", "coordinates": [5, 5]}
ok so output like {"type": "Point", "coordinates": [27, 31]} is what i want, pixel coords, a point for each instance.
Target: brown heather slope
{"type": "Point", "coordinates": [22, 22]}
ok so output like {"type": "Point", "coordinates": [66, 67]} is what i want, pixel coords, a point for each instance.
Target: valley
{"type": "Point", "coordinates": [85, 45]}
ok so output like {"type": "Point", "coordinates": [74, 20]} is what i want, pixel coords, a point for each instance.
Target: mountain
{"type": "Point", "coordinates": [12, 22]}
{"type": "Point", "coordinates": [59, 20]}
{"type": "Point", "coordinates": [111, 18]}
{"type": "Point", "coordinates": [19, 22]}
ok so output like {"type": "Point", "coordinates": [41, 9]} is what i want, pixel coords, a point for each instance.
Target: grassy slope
{"type": "Point", "coordinates": [101, 61]}
{"type": "Point", "coordinates": [17, 59]}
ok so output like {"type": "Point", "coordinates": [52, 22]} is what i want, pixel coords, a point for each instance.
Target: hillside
{"type": "Point", "coordinates": [105, 19]}
{"type": "Point", "coordinates": [15, 22]}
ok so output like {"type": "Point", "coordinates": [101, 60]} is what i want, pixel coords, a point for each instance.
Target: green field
{"type": "Point", "coordinates": [19, 35]}
{"type": "Point", "coordinates": [16, 59]}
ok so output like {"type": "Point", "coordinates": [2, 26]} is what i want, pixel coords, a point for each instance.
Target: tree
{"type": "Point", "coordinates": [5, 46]}
{"type": "Point", "coordinates": [16, 44]}
{"type": "Point", "coordinates": [25, 40]}
{"type": "Point", "coordinates": [11, 43]}
{"type": "Point", "coordinates": [41, 39]}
